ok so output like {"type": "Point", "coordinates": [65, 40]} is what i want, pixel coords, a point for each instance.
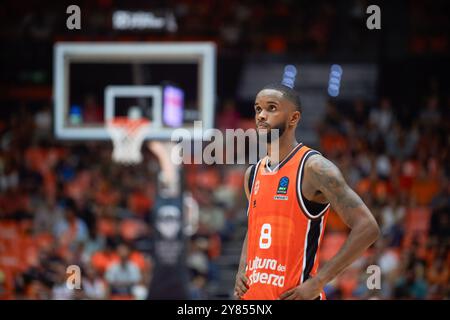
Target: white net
{"type": "Point", "coordinates": [127, 136]}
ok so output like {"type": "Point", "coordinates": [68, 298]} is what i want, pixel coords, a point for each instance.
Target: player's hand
{"type": "Point", "coordinates": [241, 285]}
{"type": "Point", "coordinates": [308, 290]}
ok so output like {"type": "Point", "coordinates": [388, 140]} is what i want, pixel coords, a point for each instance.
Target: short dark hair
{"type": "Point", "coordinates": [288, 93]}
{"type": "Point", "coordinates": [70, 205]}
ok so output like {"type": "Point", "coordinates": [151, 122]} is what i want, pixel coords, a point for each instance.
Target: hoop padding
{"type": "Point", "coordinates": [127, 136]}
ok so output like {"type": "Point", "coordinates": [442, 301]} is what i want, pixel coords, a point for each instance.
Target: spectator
{"type": "Point", "coordinates": [123, 275]}
{"type": "Point", "coordinates": [413, 284]}
{"type": "Point", "coordinates": [430, 116]}
{"type": "Point", "coordinates": [198, 259]}
{"type": "Point", "coordinates": [197, 288]}
{"type": "Point", "coordinates": [438, 277]}
{"type": "Point", "coordinates": [400, 144]}
{"type": "Point", "coordinates": [94, 287]}
{"type": "Point", "coordinates": [383, 117]}
{"type": "Point", "coordinates": [60, 289]}
{"type": "Point", "coordinates": [71, 230]}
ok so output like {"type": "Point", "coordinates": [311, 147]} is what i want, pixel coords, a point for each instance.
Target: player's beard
{"type": "Point", "coordinates": [281, 129]}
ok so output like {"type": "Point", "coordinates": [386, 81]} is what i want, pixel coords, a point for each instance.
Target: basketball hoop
{"type": "Point", "coordinates": [127, 136]}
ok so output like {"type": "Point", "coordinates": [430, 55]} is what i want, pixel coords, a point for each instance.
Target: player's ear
{"type": "Point", "coordinates": [295, 118]}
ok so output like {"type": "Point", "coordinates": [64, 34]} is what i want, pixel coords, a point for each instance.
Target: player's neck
{"type": "Point", "coordinates": [285, 146]}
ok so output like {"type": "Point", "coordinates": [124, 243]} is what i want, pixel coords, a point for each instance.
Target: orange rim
{"type": "Point", "coordinates": [129, 124]}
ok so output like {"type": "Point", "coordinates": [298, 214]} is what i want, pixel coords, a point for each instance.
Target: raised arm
{"type": "Point", "coordinates": [241, 286]}
{"type": "Point", "coordinates": [326, 178]}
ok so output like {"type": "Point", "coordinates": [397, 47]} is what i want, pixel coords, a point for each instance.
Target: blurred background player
{"type": "Point", "coordinates": [170, 274]}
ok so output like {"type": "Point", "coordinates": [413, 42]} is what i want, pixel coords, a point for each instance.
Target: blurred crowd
{"type": "Point", "coordinates": [67, 204]}
{"type": "Point", "coordinates": [399, 164]}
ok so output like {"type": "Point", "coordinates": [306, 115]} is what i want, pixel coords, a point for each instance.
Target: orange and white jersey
{"type": "Point", "coordinates": [285, 230]}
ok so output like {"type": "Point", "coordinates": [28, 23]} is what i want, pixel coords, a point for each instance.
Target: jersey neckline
{"type": "Point", "coordinates": [284, 161]}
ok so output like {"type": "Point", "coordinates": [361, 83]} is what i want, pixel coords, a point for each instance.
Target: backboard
{"type": "Point", "coordinates": [172, 83]}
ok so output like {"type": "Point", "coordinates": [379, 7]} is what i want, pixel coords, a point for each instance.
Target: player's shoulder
{"type": "Point", "coordinates": [248, 179]}
{"type": "Point", "coordinates": [249, 170]}
{"type": "Point", "coordinates": [310, 157]}
{"type": "Point", "coordinates": [318, 164]}
{"type": "Point", "coordinates": [250, 174]}
{"type": "Point", "coordinates": [314, 158]}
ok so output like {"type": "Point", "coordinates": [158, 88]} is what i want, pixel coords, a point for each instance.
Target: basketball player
{"type": "Point", "coordinates": [288, 206]}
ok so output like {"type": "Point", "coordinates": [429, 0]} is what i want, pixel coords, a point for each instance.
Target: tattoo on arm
{"type": "Point", "coordinates": [327, 178]}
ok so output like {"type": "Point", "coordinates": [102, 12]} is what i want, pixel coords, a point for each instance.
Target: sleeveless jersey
{"type": "Point", "coordinates": [285, 230]}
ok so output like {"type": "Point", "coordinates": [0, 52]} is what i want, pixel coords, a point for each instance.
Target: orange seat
{"type": "Point", "coordinates": [417, 220]}
{"type": "Point", "coordinates": [9, 230]}
{"type": "Point", "coordinates": [9, 259]}
{"type": "Point", "coordinates": [139, 260]}
{"type": "Point", "coordinates": [27, 252]}
{"type": "Point", "coordinates": [335, 223]}
{"type": "Point", "coordinates": [106, 227]}
{"type": "Point", "coordinates": [9, 239]}
{"type": "Point", "coordinates": [332, 242]}
{"type": "Point", "coordinates": [139, 203]}
{"type": "Point", "coordinates": [25, 227]}
{"type": "Point", "coordinates": [101, 260]}
{"type": "Point", "coordinates": [43, 240]}
{"type": "Point", "coordinates": [235, 179]}
{"type": "Point", "coordinates": [130, 229]}
{"type": "Point", "coordinates": [417, 224]}
{"type": "Point", "coordinates": [348, 282]}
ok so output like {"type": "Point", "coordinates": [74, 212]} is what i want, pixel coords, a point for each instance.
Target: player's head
{"type": "Point", "coordinates": [123, 252]}
{"type": "Point", "coordinates": [277, 106]}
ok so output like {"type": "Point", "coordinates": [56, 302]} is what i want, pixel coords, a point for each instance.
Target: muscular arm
{"type": "Point", "coordinates": [326, 178]}
{"type": "Point", "coordinates": [241, 279]}
{"type": "Point", "coordinates": [243, 259]}
{"type": "Point", "coordinates": [323, 176]}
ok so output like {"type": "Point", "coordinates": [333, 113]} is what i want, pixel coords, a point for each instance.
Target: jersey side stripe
{"type": "Point", "coordinates": [253, 183]}
{"type": "Point", "coordinates": [251, 178]}
{"type": "Point", "coordinates": [312, 245]}
{"type": "Point", "coordinates": [305, 250]}
{"type": "Point", "coordinates": [299, 187]}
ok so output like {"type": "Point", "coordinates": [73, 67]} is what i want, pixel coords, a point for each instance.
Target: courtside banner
{"type": "Point", "coordinates": [218, 309]}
